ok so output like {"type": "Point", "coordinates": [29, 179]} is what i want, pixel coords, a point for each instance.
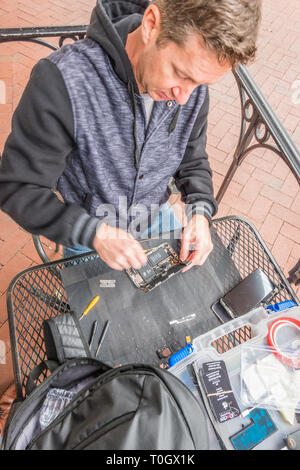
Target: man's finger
{"type": "Point", "coordinates": [115, 266]}
{"type": "Point", "coordinates": [187, 268]}
{"type": "Point", "coordinates": [142, 257]}
{"type": "Point", "coordinates": [196, 259]}
{"type": "Point", "coordinates": [135, 264]}
{"type": "Point", "coordinates": [136, 256]}
{"type": "Point", "coordinates": [191, 262]}
{"type": "Point", "coordinates": [204, 258]}
{"type": "Point", "coordinates": [185, 246]}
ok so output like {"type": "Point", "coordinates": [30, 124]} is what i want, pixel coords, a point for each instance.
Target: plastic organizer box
{"type": "Point", "coordinates": [231, 342]}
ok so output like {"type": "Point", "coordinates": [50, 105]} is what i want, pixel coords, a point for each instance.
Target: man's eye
{"type": "Point", "coordinates": [180, 75]}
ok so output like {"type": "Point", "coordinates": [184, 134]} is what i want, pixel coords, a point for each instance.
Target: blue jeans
{"type": "Point", "coordinates": [164, 222]}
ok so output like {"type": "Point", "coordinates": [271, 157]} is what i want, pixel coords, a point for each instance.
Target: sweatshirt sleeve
{"type": "Point", "coordinates": [194, 176]}
{"type": "Point", "coordinates": [35, 155]}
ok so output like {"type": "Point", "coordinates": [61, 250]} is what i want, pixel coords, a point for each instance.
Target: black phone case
{"type": "Point", "coordinates": [255, 288]}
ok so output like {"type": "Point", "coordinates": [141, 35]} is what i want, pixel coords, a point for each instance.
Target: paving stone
{"type": "Point", "coordinates": [290, 186]}
{"type": "Point", "coordinates": [3, 308]}
{"type": "Point", "coordinates": [282, 249]}
{"type": "Point", "coordinates": [276, 196]}
{"type": "Point", "coordinates": [270, 228]}
{"type": "Point", "coordinates": [286, 214]}
{"type": "Point", "coordinates": [291, 232]}
{"type": "Point", "coordinates": [16, 264]}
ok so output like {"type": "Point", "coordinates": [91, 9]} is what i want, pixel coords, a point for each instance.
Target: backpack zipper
{"type": "Point", "coordinates": [74, 403]}
{"type": "Point", "coordinates": [103, 430]}
{"type": "Point", "coordinates": [33, 396]}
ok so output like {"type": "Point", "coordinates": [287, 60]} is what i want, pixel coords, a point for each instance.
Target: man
{"type": "Point", "coordinates": [109, 119]}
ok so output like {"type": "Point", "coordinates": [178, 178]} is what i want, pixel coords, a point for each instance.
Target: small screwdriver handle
{"type": "Point", "coordinates": [90, 306]}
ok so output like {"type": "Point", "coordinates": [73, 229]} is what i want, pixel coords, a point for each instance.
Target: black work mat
{"type": "Point", "coordinates": [139, 321]}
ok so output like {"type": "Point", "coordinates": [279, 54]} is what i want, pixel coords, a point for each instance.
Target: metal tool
{"type": "Point", "coordinates": [93, 333]}
{"type": "Point", "coordinates": [102, 336]}
{"type": "Point", "coordinates": [182, 319]}
{"type": "Point", "coordinates": [107, 283]}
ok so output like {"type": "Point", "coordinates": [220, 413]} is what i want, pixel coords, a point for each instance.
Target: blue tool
{"type": "Point", "coordinates": [282, 306]}
{"type": "Point", "coordinates": [179, 355]}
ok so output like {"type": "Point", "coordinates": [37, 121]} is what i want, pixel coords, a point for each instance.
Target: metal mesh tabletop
{"type": "Point", "coordinates": [38, 293]}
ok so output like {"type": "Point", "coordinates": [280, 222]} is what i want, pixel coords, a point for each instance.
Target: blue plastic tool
{"type": "Point", "coordinates": [282, 306]}
{"type": "Point", "coordinates": [181, 354]}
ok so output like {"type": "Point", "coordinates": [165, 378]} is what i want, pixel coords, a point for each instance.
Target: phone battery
{"type": "Point", "coordinates": [146, 272]}
{"type": "Point", "coordinates": [260, 428]}
{"type": "Point", "coordinates": [157, 256]}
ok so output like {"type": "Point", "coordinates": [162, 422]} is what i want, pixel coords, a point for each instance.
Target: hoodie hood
{"type": "Point", "coordinates": [111, 22]}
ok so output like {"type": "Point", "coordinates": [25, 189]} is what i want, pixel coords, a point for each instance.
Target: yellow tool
{"type": "Point", "coordinates": [90, 306]}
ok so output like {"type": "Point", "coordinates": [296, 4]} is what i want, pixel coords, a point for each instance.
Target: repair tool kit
{"type": "Point", "coordinates": [246, 373]}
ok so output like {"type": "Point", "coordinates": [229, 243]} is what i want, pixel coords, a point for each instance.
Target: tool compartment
{"type": "Point", "coordinates": [205, 351]}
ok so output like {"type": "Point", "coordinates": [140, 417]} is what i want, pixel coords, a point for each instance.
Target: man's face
{"type": "Point", "coordinates": [173, 72]}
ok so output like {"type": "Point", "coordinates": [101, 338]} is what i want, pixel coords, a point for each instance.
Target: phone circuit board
{"type": "Point", "coordinates": [163, 262]}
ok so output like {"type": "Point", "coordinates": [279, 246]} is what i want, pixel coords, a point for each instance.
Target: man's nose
{"type": "Point", "coordinates": [181, 94]}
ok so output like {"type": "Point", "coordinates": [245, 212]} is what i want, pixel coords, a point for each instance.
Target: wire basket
{"type": "Point", "coordinates": [38, 293]}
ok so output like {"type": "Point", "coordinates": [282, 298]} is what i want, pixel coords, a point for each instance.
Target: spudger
{"type": "Point", "coordinates": [102, 336]}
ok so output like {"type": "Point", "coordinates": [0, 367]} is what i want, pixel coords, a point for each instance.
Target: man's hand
{"type": "Point", "coordinates": [118, 248]}
{"type": "Point", "coordinates": [196, 233]}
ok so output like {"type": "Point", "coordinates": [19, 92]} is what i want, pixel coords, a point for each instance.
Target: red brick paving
{"type": "Point", "coordinates": [263, 189]}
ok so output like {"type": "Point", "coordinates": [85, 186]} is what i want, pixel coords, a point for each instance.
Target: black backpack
{"type": "Point", "coordinates": [131, 407]}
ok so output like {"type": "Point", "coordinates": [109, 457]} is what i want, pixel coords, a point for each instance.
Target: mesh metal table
{"type": "Point", "coordinates": [38, 293]}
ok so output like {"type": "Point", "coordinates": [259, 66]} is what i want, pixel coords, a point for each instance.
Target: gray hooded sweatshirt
{"type": "Point", "coordinates": [80, 128]}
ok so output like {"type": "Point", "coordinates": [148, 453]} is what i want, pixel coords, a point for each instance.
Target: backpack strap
{"type": "Point", "coordinates": [64, 339]}
{"type": "Point", "coordinates": [36, 372]}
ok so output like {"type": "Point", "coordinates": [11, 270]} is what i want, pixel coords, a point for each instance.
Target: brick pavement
{"type": "Point", "coordinates": [263, 189]}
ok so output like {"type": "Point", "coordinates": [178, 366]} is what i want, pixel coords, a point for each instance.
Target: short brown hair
{"type": "Point", "coordinates": [228, 27]}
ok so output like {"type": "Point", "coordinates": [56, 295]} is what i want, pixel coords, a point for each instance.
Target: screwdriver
{"type": "Point", "coordinates": [90, 306]}
{"type": "Point", "coordinates": [102, 336]}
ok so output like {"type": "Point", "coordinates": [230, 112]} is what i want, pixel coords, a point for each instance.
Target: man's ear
{"type": "Point", "coordinates": [151, 24]}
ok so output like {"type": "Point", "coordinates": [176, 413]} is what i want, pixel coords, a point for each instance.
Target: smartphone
{"type": "Point", "coordinates": [220, 312]}
{"type": "Point", "coordinates": [248, 294]}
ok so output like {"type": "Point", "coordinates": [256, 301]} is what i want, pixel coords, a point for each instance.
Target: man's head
{"type": "Point", "coordinates": [228, 27]}
{"type": "Point", "coordinates": [182, 44]}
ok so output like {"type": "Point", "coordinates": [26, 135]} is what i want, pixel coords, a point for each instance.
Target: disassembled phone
{"type": "Point", "coordinates": [163, 263]}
